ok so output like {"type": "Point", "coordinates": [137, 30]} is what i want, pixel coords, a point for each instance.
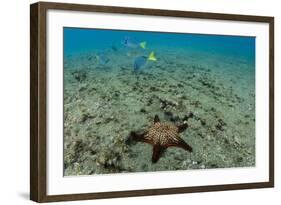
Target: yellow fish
{"type": "Point", "coordinates": [143, 45]}
{"type": "Point", "coordinates": [152, 57]}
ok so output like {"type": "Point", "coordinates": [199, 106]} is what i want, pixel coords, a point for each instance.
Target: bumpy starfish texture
{"type": "Point", "coordinates": [162, 135]}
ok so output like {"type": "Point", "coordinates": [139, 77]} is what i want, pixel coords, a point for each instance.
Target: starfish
{"type": "Point", "coordinates": [161, 136]}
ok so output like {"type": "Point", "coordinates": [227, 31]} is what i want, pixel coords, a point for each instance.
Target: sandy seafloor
{"type": "Point", "coordinates": [103, 103]}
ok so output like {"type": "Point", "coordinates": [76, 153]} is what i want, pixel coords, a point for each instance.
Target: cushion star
{"type": "Point", "coordinates": [162, 135]}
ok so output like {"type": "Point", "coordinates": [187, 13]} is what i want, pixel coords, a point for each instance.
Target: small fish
{"type": "Point", "coordinates": [143, 45]}
{"type": "Point", "coordinates": [140, 61]}
{"type": "Point", "coordinates": [130, 43]}
{"type": "Point", "coordinates": [152, 57]}
{"type": "Point", "coordinates": [102, 58]}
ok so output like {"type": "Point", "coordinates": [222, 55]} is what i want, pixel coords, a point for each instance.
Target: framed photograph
{"type": "Point", "coordinates": [134, 102]}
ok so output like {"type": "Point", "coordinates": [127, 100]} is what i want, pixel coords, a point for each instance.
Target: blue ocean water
{"type": "Point", "coordinates": [77, 40]}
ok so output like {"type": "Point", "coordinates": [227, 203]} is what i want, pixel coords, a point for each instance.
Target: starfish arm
{"type": "Point", "coordinates": [182, 127]}
{"type": "Point", "coordinates": [157, 151]}
{"type": "Point", "coordinates": [140, 137]}
{"type": "Point", "coordinates": [156, 119]}
{"type": "Point", "coordinates": [178, 142]}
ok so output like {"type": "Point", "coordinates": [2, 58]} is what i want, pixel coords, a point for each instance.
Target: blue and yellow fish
{"type": "Point", "coordinates": [140, 61]}
{"type": "Point", "coordinates": [131, 43]}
